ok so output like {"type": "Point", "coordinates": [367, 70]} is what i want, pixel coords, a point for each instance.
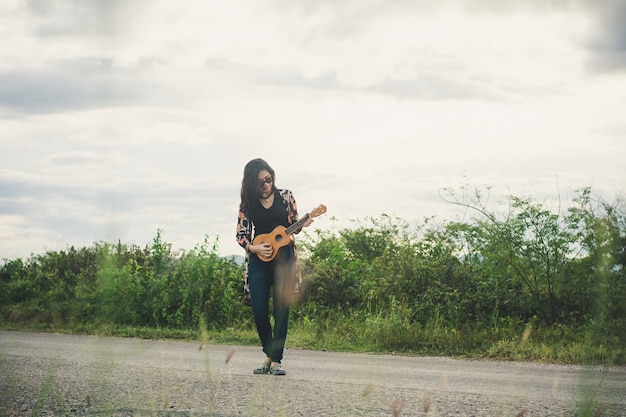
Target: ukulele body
{"type": "Point", "coordinates": [278, 238]}
{"type": "Point", "coordinates": [281, 235]}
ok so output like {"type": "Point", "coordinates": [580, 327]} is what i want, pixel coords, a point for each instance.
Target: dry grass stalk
{"type": "Point", "coordinates": [369, 388]}
{"type": "Point", "coordinates": [526, 335]}
{"type": "Point", "coordinates": [230, 355]}
{"type": "Point", "coordinates": [396, 406]}
{"type": "Point", "coordinates": [600, 411]}
{"type": "Point", "coordinates": [521, 412]}
{"type": "Point", "coordinates": [426, 404]}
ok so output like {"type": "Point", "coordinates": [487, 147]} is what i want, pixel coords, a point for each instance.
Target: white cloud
{"type": "Point", "coordinates": [606, 41]}
{"type": "Point", "coordinates": [122, 117]}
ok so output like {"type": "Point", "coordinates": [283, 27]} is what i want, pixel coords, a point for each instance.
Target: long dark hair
{"type": "Point", "coordinates": [250, 183]}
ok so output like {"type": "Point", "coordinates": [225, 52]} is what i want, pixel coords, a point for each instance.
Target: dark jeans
{"type": "Point", "coordinates": [278, 277]}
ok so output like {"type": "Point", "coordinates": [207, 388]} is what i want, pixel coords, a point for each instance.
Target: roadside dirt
{"type": "Point", "coordinates": [62, 375]}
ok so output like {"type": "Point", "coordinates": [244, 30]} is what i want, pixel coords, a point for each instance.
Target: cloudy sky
{"type": "Point", "coordinates": [122, 117]}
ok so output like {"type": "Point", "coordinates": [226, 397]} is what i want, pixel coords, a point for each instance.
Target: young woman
{"type": "Point", "coordinates": [263, 207]}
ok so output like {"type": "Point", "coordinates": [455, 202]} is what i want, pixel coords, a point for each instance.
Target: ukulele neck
{"type": "Point", "coordinates": [297, 225]}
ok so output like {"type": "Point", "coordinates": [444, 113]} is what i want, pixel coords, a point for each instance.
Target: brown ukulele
{"type": "Point", "coordinates": [281, 235]}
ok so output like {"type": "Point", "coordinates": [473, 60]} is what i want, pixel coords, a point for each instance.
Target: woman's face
{"type": "Point", "coordinates": [265, 181]}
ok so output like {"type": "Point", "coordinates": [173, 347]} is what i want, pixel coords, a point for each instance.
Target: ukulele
{"type": "Point", "coordinates": [281, 235]}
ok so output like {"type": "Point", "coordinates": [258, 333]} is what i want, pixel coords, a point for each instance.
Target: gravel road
{"type": "Point", "coordinates": [63, 375]}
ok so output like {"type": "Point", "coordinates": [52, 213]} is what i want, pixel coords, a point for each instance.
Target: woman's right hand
{"type": "Point", "coordinates": [262, 249]}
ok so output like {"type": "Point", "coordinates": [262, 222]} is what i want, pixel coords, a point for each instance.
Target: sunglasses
{"type": "Point", "coordinates": [266, 180]}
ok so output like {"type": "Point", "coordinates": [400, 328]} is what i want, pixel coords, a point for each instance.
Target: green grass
{"type": "Point", "coordinates": [354, 333]}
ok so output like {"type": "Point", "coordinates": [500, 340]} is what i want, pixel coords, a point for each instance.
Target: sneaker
{"type": "Point", "coordinates": [277, 370]}
{"type": "Point", "coordinates": [264, 369]}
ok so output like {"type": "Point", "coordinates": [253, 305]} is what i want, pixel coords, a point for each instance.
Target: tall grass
{"type": "Point", "coordinates": [509, 287]}
{"type": "Point", "coordinates": [393, 333]}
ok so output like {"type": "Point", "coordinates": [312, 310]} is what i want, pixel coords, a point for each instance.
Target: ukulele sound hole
{"type": "Point", "coordinates": [279, 238]}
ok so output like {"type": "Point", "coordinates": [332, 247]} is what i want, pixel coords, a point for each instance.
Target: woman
{"type": "Point", "coordinates": [263, 207]}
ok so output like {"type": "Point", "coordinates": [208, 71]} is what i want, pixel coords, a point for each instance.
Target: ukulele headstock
{"type": "Point", "coordinates": [318, 211]}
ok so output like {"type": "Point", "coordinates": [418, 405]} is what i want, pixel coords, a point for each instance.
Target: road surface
{"type": "Point", "coordinates": [65, 375]}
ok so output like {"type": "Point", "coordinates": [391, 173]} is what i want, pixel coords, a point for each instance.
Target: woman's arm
{"type": "Point", "coordinates": [244, 231]}
{"type": "Point", "coordinates": [292, 210]}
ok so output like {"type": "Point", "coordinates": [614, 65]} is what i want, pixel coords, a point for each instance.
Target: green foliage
{"type": "Point", "coordinates": [530, 265]}
{"type": "Point", "coordinates": [528, 283]}
{"type": "Point", "coordinates": [124, 286]}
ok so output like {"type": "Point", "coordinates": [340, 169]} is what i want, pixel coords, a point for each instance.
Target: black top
{"type": "Point", "coordinates": [266, 219]}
